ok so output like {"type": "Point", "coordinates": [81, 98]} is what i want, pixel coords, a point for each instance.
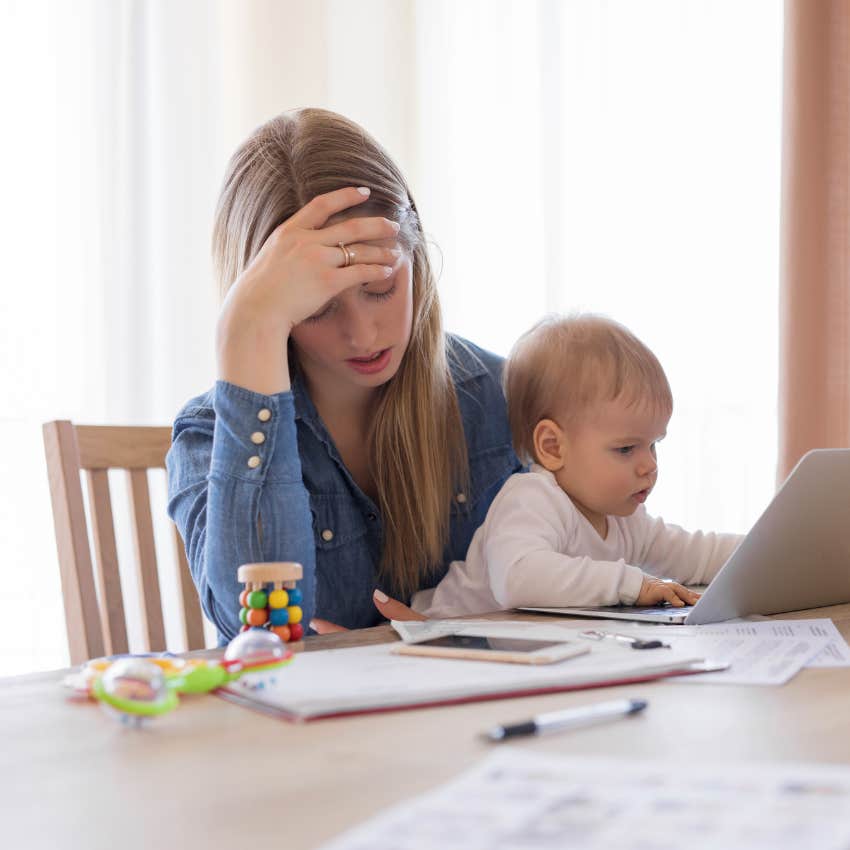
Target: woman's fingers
{"type": "Point", "coordinates": [392, 609]}
{"type": "Point", "coordinates": [314, 215]}
{"type": "Point", "coordinates": [360, 254]}
{"type": "Point", "coordinates": [324, 627]}
{"type": "Point", "coordinates": [358, 229]}
{"type": "Point", "coordinates": [359, 274]}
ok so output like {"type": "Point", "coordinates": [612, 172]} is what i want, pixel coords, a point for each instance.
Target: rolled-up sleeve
{"type": "Point", "coordinates": [237, 496]}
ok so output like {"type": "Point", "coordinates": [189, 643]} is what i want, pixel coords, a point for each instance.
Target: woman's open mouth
{"type": "Point", "coordinates": [372, 364]}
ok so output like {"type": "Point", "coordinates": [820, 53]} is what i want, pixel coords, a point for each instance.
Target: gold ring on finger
{"type": "Point", "coordinates": [347, 256]}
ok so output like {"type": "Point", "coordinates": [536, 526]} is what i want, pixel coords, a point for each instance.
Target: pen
{"type": "Point", "coordinates": [570, 718]}
{"type": "Point", "coordinates": [635, 643]}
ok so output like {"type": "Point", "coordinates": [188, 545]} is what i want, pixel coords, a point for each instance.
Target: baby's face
{"type": "Point", "coordinates": [610, 461]}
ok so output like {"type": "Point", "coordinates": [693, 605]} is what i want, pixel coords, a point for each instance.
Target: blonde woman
{"type": "Point", "coordinates": [345, 431]}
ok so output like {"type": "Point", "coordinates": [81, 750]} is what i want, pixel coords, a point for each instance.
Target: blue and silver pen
{"type": "Point", "coordinates": [570, 718]}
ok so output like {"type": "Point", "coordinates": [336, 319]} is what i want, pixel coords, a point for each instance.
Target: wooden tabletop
{"type": "Point", "coordinates": [215, 775]}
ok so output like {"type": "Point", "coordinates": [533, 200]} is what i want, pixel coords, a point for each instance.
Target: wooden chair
{"type": "Point", "coordinates": [94, 603]}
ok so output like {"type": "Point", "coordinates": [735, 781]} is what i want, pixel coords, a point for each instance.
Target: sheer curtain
{"type": "Point", "coordinates": [111, 164]}
{"type": "Point", "coordinates": [610, 156]}
{"type": "Point", "coordinates": [623, 158]}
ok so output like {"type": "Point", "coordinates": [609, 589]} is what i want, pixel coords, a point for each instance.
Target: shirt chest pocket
{"type": "Point", "coordinates": [335, 522]}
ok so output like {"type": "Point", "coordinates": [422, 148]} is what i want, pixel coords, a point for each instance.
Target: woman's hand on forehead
{"type": "Point", "coordinates": [302, 265]}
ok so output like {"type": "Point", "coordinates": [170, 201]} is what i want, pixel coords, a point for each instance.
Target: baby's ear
{"type": "Point", "coordinates": [549, 445]}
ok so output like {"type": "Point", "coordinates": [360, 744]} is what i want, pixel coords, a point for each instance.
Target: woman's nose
{"type": "Point", "coordinates": [360, 331]}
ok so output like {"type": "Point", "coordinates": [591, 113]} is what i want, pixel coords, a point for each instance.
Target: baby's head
{"type": "Point", "coordinates": [588, 401]}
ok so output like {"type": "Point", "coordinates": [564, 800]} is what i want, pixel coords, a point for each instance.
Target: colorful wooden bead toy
{"type": "Point", "coordinates": [276, 608]}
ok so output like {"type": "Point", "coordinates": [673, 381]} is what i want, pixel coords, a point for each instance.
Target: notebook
{"type": "Point", "coordinates": [340, 682]}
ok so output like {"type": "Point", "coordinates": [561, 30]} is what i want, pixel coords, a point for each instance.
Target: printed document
{"type": "Point", "coordinates": [520, 800]}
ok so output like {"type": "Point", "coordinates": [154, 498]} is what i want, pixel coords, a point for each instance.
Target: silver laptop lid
{"type": "Point", "coordinates": [797, 555]}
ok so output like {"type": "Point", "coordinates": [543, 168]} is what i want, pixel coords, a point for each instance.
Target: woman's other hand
{"type": "Point", "coordinates": [325, 627]}
{"type": "Point", "coordinates": [392, 609]}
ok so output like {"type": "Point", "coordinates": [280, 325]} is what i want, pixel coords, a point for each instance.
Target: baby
{"type": "Point", "coordinates": [588, 403]}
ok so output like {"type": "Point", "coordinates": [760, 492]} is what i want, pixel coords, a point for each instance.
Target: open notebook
{"type": "Point", "coordinates": [338, 682]}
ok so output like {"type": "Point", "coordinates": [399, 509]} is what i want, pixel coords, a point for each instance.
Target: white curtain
{"type": "Point", "coordinates": [623, 158]}
{"type": "Point", "coordinates": [611, 156]}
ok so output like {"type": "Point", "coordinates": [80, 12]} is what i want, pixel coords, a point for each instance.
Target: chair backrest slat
{"type": "Point", "coordinates": [85, 639]}
{"type": "Point", "coordinates": [94, 602]}
{"type": "Point", "coordinates": [108, 447]}
{"type": "Point", "coordinates": [140, 508]}
{"type": "Point", "coordinates": [192, 618]}
{"type": "Point", "coordinates": [106, 563]}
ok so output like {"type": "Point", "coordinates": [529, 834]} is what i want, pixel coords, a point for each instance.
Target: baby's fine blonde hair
{"type": "Point", "coordinates": [565, 365]}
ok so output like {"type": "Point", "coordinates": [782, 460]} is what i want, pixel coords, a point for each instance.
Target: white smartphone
{"type": "Point", "coordinates": [513, 650]}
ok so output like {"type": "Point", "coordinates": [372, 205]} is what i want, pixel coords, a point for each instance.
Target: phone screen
{"type": "Point", "coordinates": [492, 643]}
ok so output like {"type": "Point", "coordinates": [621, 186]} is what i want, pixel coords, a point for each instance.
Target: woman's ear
{"type": "Point", "coordinates": [549, 445]}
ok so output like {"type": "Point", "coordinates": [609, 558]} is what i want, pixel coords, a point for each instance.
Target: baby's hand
{"type": "Point", "coordinates": [656, 591]}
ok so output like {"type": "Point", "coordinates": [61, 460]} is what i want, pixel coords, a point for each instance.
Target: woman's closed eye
{"type": "Point", "coordinates": [381, 295]}
{"type": "Point", "coordinates": [331, 306]}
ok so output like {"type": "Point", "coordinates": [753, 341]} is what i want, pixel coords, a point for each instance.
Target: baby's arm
{"type": "Point", "coordinates": [523, 544]}
{"type": "Point", "coordinates": [688, 557]}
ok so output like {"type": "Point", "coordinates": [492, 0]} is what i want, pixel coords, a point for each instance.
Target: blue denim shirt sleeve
{"type": "Point", "coordinates": [229, 511]}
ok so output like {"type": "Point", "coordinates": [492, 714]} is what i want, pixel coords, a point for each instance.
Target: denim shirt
{"type": "Point", "coordinates": [237, 455]}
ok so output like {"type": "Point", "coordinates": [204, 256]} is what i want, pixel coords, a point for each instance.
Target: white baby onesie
{"type": "Point", "coordinates": [536, 548]}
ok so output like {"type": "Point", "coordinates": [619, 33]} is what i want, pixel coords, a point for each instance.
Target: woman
{"type": "Point", "coordinates": [345, 431]}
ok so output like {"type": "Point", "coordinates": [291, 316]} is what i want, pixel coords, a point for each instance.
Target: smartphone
{"type": "Point", "coordinates": [513, 650]}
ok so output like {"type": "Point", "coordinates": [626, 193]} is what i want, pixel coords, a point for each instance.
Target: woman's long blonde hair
{"type": "Point", "coordinates": [417, 448]}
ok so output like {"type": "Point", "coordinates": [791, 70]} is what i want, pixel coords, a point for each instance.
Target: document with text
{"type": "Point", "coordinates": [520, 800]}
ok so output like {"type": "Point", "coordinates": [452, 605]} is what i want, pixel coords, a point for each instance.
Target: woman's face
{"type": "Point", "coordinates": [359, 338]}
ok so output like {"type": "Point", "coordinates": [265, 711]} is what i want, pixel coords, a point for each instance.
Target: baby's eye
{"type": "Point", "coordinates": [624, 450]}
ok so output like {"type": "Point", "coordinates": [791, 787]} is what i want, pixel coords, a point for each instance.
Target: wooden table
{"type": "Point", "coordinates": [214, 775]}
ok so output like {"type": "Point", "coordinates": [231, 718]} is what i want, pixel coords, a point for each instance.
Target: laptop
{"type": "Point", "coordinates": [796, 556]}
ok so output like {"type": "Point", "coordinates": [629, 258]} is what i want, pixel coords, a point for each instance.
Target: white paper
{"type": "Point", "coordinates": [763, 653]}
{"type": "Point", "coordinates": [837, 652]}
{"type": "Point", "coordinates": [834, 653]}
{"type": "Point", "coordinates": [519, 800]}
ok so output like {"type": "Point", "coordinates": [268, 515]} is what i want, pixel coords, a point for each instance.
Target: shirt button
{"type": "Point", "coordinates": [461, 498]}
{"type": "Point", "coordinates": [264, 414]}
{"type": "Point", "coordinates": [258, 437]}
{"type": "Point", "coordinates": [253, 461]}
{"type": "Point", "coordinates": [327, 535]}
{"type": "Point", "coordinates": [373, 517]}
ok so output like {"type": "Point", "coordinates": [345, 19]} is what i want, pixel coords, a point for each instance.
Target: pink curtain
{"type": "Point", "coordinates": [814, 389]}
